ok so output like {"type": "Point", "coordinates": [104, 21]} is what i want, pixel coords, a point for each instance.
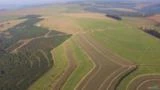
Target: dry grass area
{"type": "Point", "coordinates": [9, 24]}
{"type": "Point", "coordinates": [40, 10]}
{"type": "Point", "coordinates": [122, 9]}
{"type": "Point", "coordinates": [27, 11]}
{"type": "Point", "coordinates": [155, 18]}
{"type": "Point", "coordinates": [60, 23]}
{"type": "Point", "coordinates": [87, 15]}
{"type": "Point", "coordinates": [67, 22]}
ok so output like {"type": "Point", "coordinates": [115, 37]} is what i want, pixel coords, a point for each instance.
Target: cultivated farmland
{"type": "Point", "coordinates": [113, 60]}
{"type": "Point", "coordinates": [74, 49]}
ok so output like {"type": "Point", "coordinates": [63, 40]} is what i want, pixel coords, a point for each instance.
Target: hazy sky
{"type": "Point", "coordinates": [26, 2]}
{"type": "Point", "coordinates": [3, 2]}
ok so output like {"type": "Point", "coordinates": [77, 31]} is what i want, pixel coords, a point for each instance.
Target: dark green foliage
{"type": "Point", "coordinates": [20, 70]}
{"type": "Point", "coordinates": [124, 76]}
{"type": "Point", "coordinates": [153, 33]}
{"type": "Point", "coordinates": [114, 17]}
{"type": "Point", "coordinates": [45, 44]}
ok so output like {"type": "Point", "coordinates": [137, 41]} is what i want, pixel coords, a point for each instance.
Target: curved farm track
{"type": "Point", "coordinates": [70, 68]}
{"type": "Point", "coordinates": [109, 67]}
{"type": "Point", "coordinates": [145, 82]}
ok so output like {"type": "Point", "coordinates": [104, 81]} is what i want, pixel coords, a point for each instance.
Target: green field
{"type": "Point", "coordinates": [129, 42]}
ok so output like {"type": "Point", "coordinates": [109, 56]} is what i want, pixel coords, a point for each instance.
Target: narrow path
{"type": "Point", "coordinates": [47, 34]}
{"type": "Point", "coordinates": [24, 43]}
{"type": "Point", "coordinates": [27, 41]}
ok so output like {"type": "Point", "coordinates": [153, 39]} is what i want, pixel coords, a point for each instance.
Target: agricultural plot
{"type": "Point", "coordinates": [68, 71]}
{"type": "Point", "coordinates": [129, 42]}
{"type": "Point", "coordinates": [83, 66]}
{"type": "Point", "coordinates": [63, 50]}
{"type": "Point", "coordinates": [73, 77]}
{"type": "Point", "coordinates": [109, 67]}
{"type": "Point", "coordinates": [117, 53]}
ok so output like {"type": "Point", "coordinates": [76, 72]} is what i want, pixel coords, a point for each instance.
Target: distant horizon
{"type": "Point", "coordinates": [31, 2]}
{"type": "Point", "coordinates": [17, 3]}
{"type": "Point", "coordinates": [28, 2]}
{"type": "Point", "coordinates": [7, 4]}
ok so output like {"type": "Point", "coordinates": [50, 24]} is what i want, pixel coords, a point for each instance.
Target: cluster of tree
{"type": "Point", "coordinates": [151, 31]}
{"type": "Point", "coordinates": [21, 69]}
{"type": "Point", "coordinates": [114, 17]}
{"type": "Point", "coordinates": [28, 64]}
